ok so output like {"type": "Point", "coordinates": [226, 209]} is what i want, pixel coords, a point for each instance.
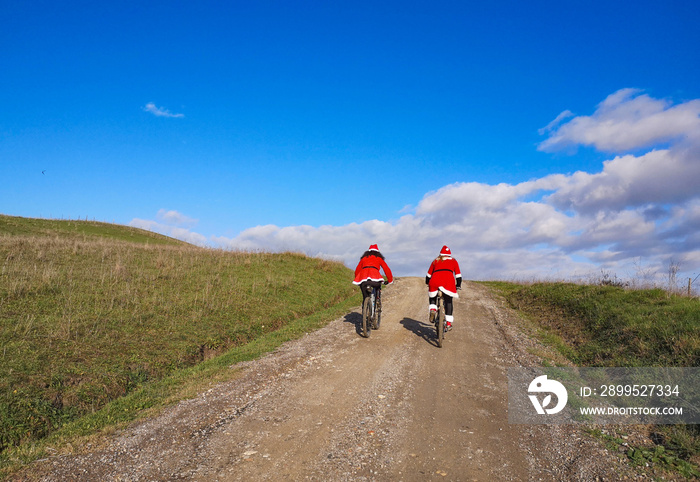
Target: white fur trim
{"type": "Point", "coordinates": [447, 292]}
{"type": "Point", "coordinates": [449, 318]}
{"type": "Point", "coordinates": [367, 279]}
{"type": "Point", "coordinates": [433, 294]}
{"type": "Point", "coordinates": [432, 307]}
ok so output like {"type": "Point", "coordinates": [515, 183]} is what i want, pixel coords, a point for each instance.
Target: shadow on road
{"type": "Point", "coordinates": [355, 319]}
{"type": "Point", "coordinates": [423, 330]}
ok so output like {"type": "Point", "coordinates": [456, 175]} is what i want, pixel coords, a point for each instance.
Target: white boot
{"type": "Point", "coordinates": [433, 311]}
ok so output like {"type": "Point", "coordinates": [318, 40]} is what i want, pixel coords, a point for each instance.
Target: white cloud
{"type": "Point", "coordinates": [160, 112]}
{"type": "Point", "coordinates": [471, 218]}
{"type": "Point", "coordinates": [625, 121]}
{"type": "Point", "coordinates": [176, 218]}
{"type": "Point", "coordinates": [669, 172]}
{"type": "Point", "coordinates": [557, 120]}
{"type": "Point", "coordinates": [660, 176]}
{"type": "Point", "coordinates": [640, 205]}
{"type": "Point", "coordinates": [173, 224]}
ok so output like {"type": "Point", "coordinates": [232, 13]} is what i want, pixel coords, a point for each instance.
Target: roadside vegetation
{"type": "Point", "coordinates": [99, 322]}
{"type": "Point", "coordinates": [606, 326]}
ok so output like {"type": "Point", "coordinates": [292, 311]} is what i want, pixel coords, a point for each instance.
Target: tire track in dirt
{"type": "Point", "coordinates": [336, 406]}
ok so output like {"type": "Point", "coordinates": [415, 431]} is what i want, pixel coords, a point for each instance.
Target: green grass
{"type": "Point", "coordinates": [89, 320]}
{"type": "Point", "coordinates": [18, 226]}
{"type": "Point", "coordinates": [611, 326]}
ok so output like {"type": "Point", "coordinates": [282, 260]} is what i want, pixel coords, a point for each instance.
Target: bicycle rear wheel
{"type": "Point", "coordinates": [366, 316]}
{"type": "Point", "coordinates": [440, 322]}
{"type": "Point", "coordinates": [377, 318]}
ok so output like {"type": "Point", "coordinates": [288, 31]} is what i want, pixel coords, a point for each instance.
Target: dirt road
{"type": "Point", "coordinates": [336, 406]}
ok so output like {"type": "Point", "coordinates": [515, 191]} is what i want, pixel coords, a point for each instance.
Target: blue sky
{"type": "Point", "coordinates": [323, 128]}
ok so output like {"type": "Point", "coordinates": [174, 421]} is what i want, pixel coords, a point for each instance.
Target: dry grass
{"type": "Point", "coordinates": [87, 319]}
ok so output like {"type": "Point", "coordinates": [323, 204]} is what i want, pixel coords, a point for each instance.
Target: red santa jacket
{"type": "Point", "coordinates": [368, 269]}
{"type": "Point", "coordinates": [444, 273]}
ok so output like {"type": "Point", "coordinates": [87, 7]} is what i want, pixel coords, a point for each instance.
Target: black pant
{"type": "Point", "coordinates": [366, 288]}
{"type": "Point", "coordinates": [448, 302]}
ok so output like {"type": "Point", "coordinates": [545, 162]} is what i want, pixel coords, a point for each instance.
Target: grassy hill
{"type": "Point", "coordinates": [17, 226]}
{"type": "Point", "coordinates": [92, 313]}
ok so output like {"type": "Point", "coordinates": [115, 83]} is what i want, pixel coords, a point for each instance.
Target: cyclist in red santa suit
{"type": "Point", "coordinates": [443, 275]}
{"type": "Point", "coordinates": [367, 274]}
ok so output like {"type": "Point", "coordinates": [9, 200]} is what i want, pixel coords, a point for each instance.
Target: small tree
{"type": "Point", "coordinates": [673, 269]}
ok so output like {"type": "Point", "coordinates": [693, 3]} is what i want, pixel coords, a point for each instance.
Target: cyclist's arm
{"type": "Point", "coordinates": [430, 273]}
{"type": "Point", "coordinates": [387, 272]}
{"type": "Point", "coordinates": [458, 275]}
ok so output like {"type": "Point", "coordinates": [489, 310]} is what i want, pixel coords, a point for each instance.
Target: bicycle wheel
{"type": "Point", "coordinates": [377, 318]}
{"type": "Point", "coordinates": [440, 322]}
{"type": "Point", "coordinates": [366, 317]}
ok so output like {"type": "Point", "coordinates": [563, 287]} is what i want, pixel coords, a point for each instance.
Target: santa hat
{"type": "Point", "coordinates": [374, 247]}
{"type": "Point", "coordinates": [445, 251]}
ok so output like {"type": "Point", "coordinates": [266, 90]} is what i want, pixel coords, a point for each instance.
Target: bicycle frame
{"type": "Point", "coordinates": [371, 312]}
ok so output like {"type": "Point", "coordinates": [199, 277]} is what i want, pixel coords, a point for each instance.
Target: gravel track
{"type": "Point", "coordinates": [334, 406]}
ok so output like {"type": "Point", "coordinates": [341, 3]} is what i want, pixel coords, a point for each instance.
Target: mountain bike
{"type": "Point", "coordinates": [440, 323]}
{"type": "Point", "coordinates": [372, 312]}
